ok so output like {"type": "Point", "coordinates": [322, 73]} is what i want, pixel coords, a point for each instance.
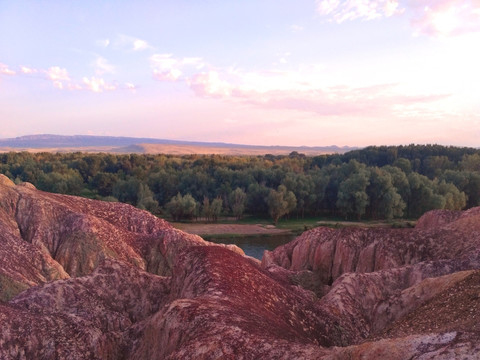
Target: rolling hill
{"type": "Point", "coordinates": [88, 143]}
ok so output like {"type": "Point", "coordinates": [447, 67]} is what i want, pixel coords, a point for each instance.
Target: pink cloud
{"type": "Point", "coordinates": [373, 101]}
{"type": "Point", "coordinates": [125, 42]}
{"type": "Point", "coordinates": [5, 70]}
{"type": "Point", "coordinates": [209, 84]}
{"type": "Point", "coordinates": [97, 85]}
{"type": "Point", "coordinates": [445, 17]}
{"type": "Point", "coordinates": [59, 76]}
{"type": "Point", "coordinates": [130, 86]}
{"type": "Point", "coordinates": [170, 75]}
{"type": "Point", "coordinates": [103, 42]}
{"type": "Point", "coordinates": [296, 28]}
{"type": "Point", "coordinates": [343, 10]}
{"type": "Point", "coordinates": [276, 91]}
{"type": "Point", "coordinates": [27, 70]}
{"type": "Point", "coordinates": [139, 45]}
{"type": "Point", "coordinates": [102, 66]}
{"type": "Point", "coordinates": [167, 68]}
{"type": "Point", "coordinates": [56, 73]}
{"type": "Point", "coordinates": [429, 17]}
{"type": "Point", "coordinates": [61, 80]}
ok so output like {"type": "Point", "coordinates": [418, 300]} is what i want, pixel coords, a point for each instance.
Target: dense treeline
{"type": "Point", "coordinates": [372, 183]}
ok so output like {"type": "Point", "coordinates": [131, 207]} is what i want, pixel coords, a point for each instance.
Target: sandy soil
{"type": "Point", "coordinates": [209, 229]}
{"type": "Point", "coordinates": [180, 149]}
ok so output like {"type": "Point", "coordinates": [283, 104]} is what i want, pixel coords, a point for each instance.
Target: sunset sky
{"type": "Point", "coordinates": [271, 72]}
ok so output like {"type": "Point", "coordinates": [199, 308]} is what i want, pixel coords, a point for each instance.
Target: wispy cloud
{"type": "Point", "coordinates": [428, 17]}
{"type": "Point", "coordinates": [130, 86]}
{"type": "Point", "coordinates": [28, 70]}
{"type": "Point", "coordinates": [126, 42]}
{"type": "Point", "coordinates": [5, 70]}
{"type": "Point", "coordinates": [284, 90]}
{"type": "Point", "coordinates": [102, 66]}
{"type": "Point", "coordinates": [59, 77]}
{"type": "Point", "coordinates": [165, 67]}
{"type": "Point", "coordinates": [139, 45]}
{"type": "Point", "coordinates": [103, 42]}
{"type": "Point", "coordinates": [290, 90]}
{"type": "Point", "coordinates": [209, 84]}
{"type": "Point", "coordinates": [343, 10]}
{"type": "Point", "coordinates": [97, 85]}
{"type": "Point", "coordinates": [296, 28]}
{"type": "Point", "coordinates": [283, 58]}
{"type": "Point", "coordinates": [61, 80]}
{"type": "Point", "coordinates": [445, 17]}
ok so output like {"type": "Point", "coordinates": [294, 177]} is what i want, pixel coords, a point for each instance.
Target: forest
{"type": "Point", "coordinates": [377, 182]}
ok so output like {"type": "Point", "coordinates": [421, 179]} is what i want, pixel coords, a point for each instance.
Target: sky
{"type": "Point", "coordinates": [259, 72]}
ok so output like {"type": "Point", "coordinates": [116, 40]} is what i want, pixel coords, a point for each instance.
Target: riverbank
{"type": "Point", "coordinates": [290, 226]}
{"type": "Point", "coordinates": [229, 229]}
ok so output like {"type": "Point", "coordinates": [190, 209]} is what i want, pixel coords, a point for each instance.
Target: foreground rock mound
{"type": "Point", "coordinates": [83, 279]}
{"type": "Point", "coordinates": [45, 237]}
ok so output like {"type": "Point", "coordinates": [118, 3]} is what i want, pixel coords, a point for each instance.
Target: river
{"type": "Point", "coordinates": [255, 245]}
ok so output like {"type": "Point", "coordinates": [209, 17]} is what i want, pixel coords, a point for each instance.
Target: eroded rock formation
{"type": "Point", "coordinates": [84, 279]}
{"type": "Point", "coordinates": [48, 236]}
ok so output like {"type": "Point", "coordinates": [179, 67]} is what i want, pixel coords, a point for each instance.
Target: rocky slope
{"type": "Point", "coordinates": [83, 279]}
{"type": "Point", "coordinates": [48, 236]}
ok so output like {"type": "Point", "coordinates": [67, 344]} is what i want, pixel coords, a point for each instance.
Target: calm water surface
{"type": "Point", "coordinates": [255, 245]}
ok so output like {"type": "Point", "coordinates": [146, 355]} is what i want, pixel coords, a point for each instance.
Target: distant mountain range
{"type": "Point", "coordinates": [61, 143]}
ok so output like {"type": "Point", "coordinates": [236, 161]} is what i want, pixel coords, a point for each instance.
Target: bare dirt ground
{"type": "Point", "coordinates": [179, 149]}
{"type": "Point", "coordinates": [210, 229]}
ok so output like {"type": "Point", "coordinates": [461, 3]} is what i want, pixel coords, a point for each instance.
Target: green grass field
{"type": "Point", "coordinates": [299, 225]}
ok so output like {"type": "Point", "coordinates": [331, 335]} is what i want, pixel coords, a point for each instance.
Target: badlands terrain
{"type": "Point", "coordinates": [85, 279]}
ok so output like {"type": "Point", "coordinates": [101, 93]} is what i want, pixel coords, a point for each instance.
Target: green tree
{"type": "Point", "coordinates": [145, 200]}
{"type": "Point", "coordinates": [212, 210]}
{"type": "Point", "coordinates": [385, 202]}
{"type": "Point", "coordinates": [103, 182]}
{"type": "Point", "coordinates": [303, 187]}
{"type": "Point", "coordinates": [256, 199]}
{"type": "Point", "coordinates": [280, 202]}
{"type": "Point", "coordinates": [216, 208]}
{"type": "Point", "coordinates": [473, 189]}
{"type": "Point", "coordinates": [182, 207]}
{"type": "Point", "coordinates": [434, 166]}
{"type": "Point", "coordinates": [454, 198]}
{"type": "Point", "coordinates": [206, 209]}
{"type": "Point", "coordinates": [319, 182]}
{"type": "Point", "coordinates": [163, 184]}
{"type": "Point", "coordinates": [126, 190]}
{"type": "Point", "coordinates": [238, 198]}
{"type": "Point", "coordinates": [470, 162]}
{"type": "Point", "coordinates": [69, 182]}
{"type": "Point", "coordinates": [352, 195]}
{"type": "Point", "coordinates": [399, 181]}
{"type": "Point", "coordinates": [422, 195]}
{"type": "Point", "coordinates": [403, 164]}
{"type": "Point", "coordinates": [133, 191]}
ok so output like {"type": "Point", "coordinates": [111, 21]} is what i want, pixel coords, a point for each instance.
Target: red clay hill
{"type": "Point", "coordinates": [84, 279]}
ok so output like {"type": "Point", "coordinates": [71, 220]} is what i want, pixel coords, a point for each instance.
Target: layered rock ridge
{"type": "Point", "coordinates": [370, 279]}
{"type": "Point", "coordinates": [48, 236]}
